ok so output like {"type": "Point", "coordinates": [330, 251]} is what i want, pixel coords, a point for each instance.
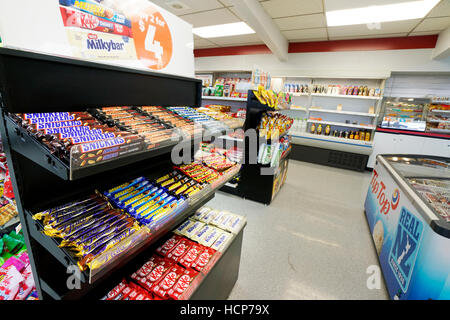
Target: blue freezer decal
{"type": "Point", "coordinates": [406, 246]}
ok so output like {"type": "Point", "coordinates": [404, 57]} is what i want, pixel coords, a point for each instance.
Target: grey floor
{"type": "Point", "coordinates": [312, 242]}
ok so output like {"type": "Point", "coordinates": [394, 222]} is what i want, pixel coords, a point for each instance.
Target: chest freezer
{"type": "Point", "coordinates": [408, 211]}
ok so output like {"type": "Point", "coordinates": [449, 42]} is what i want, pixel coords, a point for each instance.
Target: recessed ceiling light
{"type": "Point", "coordinates": [223, 30]}
{"type": "Point", "coordinates": [177, 5]}
{"type": "Point", "coordinates": [382, 13]}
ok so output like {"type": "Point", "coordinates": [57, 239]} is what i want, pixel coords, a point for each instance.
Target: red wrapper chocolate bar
{"type": "Point", "coordinates": [116, 293]}
{"type": "Point", "coordinates": [146, 268]}
{"type": "Point", "coordinates": [156, 274]}
{"type": "Point", "coordinates": [167, 281]}
{"type": "Point", "coordinates": [183, 282]}
{"type": "Point", "coordinates": [191, 255]}
{"type": "Point", "coordinates": [203, 259]}
{"type": "Point", "coordinates": [133, 291]}
{"type": "Point", "coordinates": [179, 250]}
{"type": "Point", "coordinates": [169, 245]}
{"type": "Point", "coordinates": [83, 20]}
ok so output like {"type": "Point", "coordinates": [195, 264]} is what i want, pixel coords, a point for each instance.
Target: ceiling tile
{"type": "Point", "coordinates": [370, 36]}
{"type": "Point", "coordinates": [442, 9]}
{"type": "Point", "coordinates": [289, 8]}
{"type": "Point", "coordinates": [306, 34]}
{"type": "Point", "coordinates": [301, 22]}
{"type": "Point", "coordinates": [203, 43]}
{"type": "Point", "coordinates": [432, 24]}
{"type": "Point", "coordinates": [194, 6]}
{"type": "Point", "coordinates": [423, 33]}
{"type": "Point", "coordinates": [210, 18]}
{"type": "Point", "coordinates": [331, 5]}
{"type": "Point", "coordinates": [228, 3]}
{"type": "Point", "coordinates": [364, 29]}
{"type": "Point", "coordinates": [237, 40]}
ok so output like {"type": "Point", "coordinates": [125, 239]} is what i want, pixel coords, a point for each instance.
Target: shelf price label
{"type": "Point", "coordinates": [152, 37]}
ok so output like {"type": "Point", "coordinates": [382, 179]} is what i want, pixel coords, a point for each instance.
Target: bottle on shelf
{"type": "Point", "coordinates": [352, 135]}
{"type": "Point", "coordinates": [362, 135]}
{"type": "Point", "coordinates": [327, 130]}
{"type": "Point", "coordinates": [313, 128]}
{"type": "Point", "coordinates": [319, 129]}
{"type": "Point", "coordinates": [356, 136]}
{"type": "Point", "coordinates": [367, 136]}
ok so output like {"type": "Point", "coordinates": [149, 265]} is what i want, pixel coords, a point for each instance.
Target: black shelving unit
{"type": "Point", "coordinates": [254, 185]}
{"type": "Point", "coordinates": [31, 82]}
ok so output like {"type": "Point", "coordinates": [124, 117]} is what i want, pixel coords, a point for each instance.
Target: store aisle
{"type": "Point", "coordinates": [312, 242]}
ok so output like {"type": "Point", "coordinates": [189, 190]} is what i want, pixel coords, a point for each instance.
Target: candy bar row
{"type": "Point", "coordinates": [199, 118]}
{"type": "Point", "coordinates": [87, 228]}
{"type": "Point", "coordinates": [87, 138]}
{"type": "Point", "coordinates": [216, 113]}
{"type": "Point", "coordinates": [174, 266]}
{"type": "Point", "coordinates": [90, 227]}
{"type": "Point", "coordinates": [151, 202]}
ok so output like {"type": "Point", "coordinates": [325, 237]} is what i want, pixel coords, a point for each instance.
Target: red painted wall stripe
{"type": "Point", "coordinates": [399, 43]}
{"type": "Point", "coordinates": [232, 51]}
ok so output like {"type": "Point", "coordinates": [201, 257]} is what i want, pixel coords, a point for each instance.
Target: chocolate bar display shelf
{"type": "Point", "coordinates": [54, 84]}
{"type": "Point", "coordinates": [32, 82]}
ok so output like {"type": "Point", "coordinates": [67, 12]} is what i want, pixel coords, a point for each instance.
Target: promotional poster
{"type": "Point", "coordinates": [136, 34]}
{"type": "Point", "coordinates": [413, 257]}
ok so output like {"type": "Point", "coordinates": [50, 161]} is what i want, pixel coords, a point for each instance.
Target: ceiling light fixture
{"type": "Point", "coordinates": [223, 30]}
{"type": "Point", "coordinates": [382, 13]}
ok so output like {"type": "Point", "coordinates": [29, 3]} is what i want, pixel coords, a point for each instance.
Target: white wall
{"type": "Point", "coordinates": [354, 64]}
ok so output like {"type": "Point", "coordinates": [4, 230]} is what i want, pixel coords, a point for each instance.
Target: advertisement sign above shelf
{"type": "Point", "coordinates": [136, 34]}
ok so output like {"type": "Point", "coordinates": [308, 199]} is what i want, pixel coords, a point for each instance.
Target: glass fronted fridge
{"type": "Point", "coordinates": [405, 113]}
{"type": "Point", "coordinates": [408, 212]}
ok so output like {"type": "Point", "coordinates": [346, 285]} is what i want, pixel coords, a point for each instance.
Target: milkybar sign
{"type": "Point", "coordinates": [97, 45]}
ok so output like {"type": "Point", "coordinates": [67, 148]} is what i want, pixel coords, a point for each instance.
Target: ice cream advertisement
{"type": "Point", "coordinates": [415, 260]}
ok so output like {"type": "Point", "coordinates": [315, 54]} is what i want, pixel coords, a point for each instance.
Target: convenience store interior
{"type": "Point", "coordinates": [269, 149]}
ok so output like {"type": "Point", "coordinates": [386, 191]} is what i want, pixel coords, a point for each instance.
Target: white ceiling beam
{"type": "Point", "coordinates": [442, 49]}
{"type": "Point", "coordinates": [258, 19]}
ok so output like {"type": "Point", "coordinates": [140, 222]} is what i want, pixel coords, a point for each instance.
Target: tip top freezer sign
{"type": "Point", "coordinates": [379, 190]}
{"type": "Point", "coordinates": [99, 29]}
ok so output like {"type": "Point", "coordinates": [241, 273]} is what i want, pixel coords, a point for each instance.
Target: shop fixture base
{"type": "Point", "coordinates": [332, 158]}
{"type": "Point", "coordinates": [219, 282]}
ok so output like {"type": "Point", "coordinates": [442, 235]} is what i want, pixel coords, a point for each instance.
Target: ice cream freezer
{"type": "Point", "coordinates": [408, 212]}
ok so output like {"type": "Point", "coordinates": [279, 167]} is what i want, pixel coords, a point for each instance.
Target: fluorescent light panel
{"type": "Point", "coordinates": [383, 13]}
{"type": "Point", "coordinates": [223, 30]}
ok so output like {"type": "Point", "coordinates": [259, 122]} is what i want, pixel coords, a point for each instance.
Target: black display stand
{"type": "Point", "coordinates": [31, 82]}
{"type": "Point", "coordinates": [257, 180]}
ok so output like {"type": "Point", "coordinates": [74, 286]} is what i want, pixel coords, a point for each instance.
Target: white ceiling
{"type": "Point", "coordinates": [304, 20]}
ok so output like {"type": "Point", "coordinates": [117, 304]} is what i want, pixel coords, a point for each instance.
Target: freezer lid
{"type": "Point", "coordinates": [426, 182]}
